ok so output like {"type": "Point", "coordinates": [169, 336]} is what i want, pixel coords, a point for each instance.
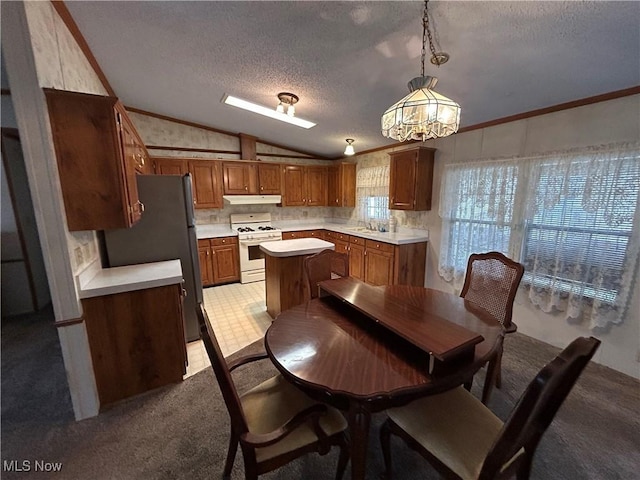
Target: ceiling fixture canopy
{"type": "Point", "coordinates": [349, 148]}
{"type": "Point", "coordinates": [288, 99]}
{"type": "Point", "coordinates": [423, 113]}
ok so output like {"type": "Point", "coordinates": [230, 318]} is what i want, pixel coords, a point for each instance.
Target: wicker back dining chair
{"type": "Point", "coordinates": [321, 266]}
{"type": "Point", "coordinates": [463, 439]}
{"type": "Point", "coordinates": [491, 283]}
{"type": "Point", "coordinates": [273, 422]}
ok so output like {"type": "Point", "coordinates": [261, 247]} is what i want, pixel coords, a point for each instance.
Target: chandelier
{"type": "Point", "coordinates": [423, 113]}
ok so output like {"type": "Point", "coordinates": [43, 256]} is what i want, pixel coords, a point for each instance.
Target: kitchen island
{"type": "Point", "coordinates": [284, 271]}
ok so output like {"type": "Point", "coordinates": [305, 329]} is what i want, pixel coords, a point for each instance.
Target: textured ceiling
{"type": "Point", "coordinates": [349, 61]}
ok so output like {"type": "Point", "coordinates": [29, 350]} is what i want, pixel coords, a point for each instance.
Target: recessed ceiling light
{"type": "Point", "coordinates": [267, 112]}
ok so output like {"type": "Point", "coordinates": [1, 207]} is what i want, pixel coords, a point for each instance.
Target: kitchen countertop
{"type": "Point", "coordinates": [404, 236]}
{"type": "Point", "coordinates": [108, 281]}
{"type": "Point", "coordinates": [396, 238]}
{"type": "Point", "coordinates": [216, 230]}
{"type": "Point", "coordinates": [295, 247]}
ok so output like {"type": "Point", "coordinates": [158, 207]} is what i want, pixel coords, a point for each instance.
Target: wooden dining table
{"type": "Point", "coordinates": [354, 349]}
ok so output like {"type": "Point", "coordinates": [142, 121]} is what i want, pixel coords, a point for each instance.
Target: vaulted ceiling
{"type": "Point", "coordinates": [349, 61]}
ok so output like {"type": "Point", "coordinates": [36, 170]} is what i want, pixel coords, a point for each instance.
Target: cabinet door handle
{"type": "Point", "coordinates": [140, 206]}
{"type": "Point", "coordinates": [207, 253]}
{"type": "Point", "coordinates": [246, 188]}
{"type": "Point", "coordinates": [184, 293]}
{"type": "Point", "coordinates": [261, 187]}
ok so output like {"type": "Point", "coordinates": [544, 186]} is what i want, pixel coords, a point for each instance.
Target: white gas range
{"type": "Point", "coordinates": [253, 229]}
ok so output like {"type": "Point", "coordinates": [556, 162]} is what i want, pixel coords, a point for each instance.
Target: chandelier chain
{"type": "Point", "coordinates": [426, 35]}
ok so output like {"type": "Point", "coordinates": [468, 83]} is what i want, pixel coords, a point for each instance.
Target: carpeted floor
{"type": "Point", "coordinates": [181, 431]}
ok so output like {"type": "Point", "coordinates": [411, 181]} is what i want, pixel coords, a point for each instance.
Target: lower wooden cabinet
{"type": "Point", "coordinates": [136, 339]}
{"type": "Point", "coordinates": [356, 258]}
{"type": "Point", "coordinates": [219, 260]}
{"type": "Point", "coordinates": [380, 263]}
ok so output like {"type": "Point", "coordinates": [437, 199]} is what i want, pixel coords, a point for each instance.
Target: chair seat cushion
{"type": "Point", "coordinates": [454, 426]}
{"type": "Point", "coordinates": [271, 404]}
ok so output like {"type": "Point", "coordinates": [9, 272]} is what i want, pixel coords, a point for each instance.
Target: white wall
{"type": "Point", "coordinates": [601, 123]}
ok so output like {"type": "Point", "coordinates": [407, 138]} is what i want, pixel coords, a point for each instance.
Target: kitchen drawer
{"type": "Point", "coordinates": [356, 240]}
{"type": "Point", "coordinates": [292, 235]}
{"type": "Point", "coordinates": [224, 241]}
{"type": "Point", "coordinates": [315, 234]}
{"type": "Point", "coordinates": [379, 246]}
{"type": "Point", "coordinates": [337, 236]}
{"type": "Point", "coordinates": [203, 243]}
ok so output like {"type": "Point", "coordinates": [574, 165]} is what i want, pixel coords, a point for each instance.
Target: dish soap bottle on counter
{"type": "Point", "coordinates": [392, 224]}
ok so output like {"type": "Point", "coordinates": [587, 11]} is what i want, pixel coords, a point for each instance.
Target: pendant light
{"type": "Point", "coordinates": [423, 113]}
{"type": "Point", "coordinates": [349, 148]}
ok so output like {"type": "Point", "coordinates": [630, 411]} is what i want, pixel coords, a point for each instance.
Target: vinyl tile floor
{"type": "Point", "coordinates": [238, 314]}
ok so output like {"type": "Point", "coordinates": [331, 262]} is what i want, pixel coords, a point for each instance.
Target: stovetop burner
{"type": "Point", "coordinates": [245, 229]}
{"type": "Point", "coordinates": [266, 227]}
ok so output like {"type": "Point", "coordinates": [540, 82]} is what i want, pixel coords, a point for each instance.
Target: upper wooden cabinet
{"type": "Point", "coordinates": [411, 179]}
{"type": "Point", "coordinates": [269, 179]}
{"type": "Point", "coordinates": [341, 186]}
{"type": "Point", "coordinates": [96, 150]}
{"type": "Point", "coordinates": [251, 178]}
{"type": "Point", "coordinates": [170, 166]}
{"type": "Point", "coordinates": [240, 178]}
{"type": "Point", "coordinates": [206, 181]}
{"type": "Point", "coordinates": [304, 186]}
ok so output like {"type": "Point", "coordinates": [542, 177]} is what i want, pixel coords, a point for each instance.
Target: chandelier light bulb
{"type": "Point", "coordinates": [280, 108]}
{"type": "Point", "coordinates": [291, 111]}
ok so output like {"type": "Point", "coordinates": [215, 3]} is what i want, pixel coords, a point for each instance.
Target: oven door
{"type": "Point", "coordinates": [251, 257]}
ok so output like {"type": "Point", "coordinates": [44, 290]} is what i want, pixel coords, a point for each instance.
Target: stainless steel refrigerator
{"type": "Point", "coordinates": [166, 231]}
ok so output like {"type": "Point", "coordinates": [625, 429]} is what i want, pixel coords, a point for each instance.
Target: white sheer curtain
{"type": "Point", "coordinates": [477, 204]}
{"type": "Point", "coordinates": [372, 193]}
{"type": "Point", "coordinates": [572, 218]}
{"type": "Point", "coordinates": [581, 235]}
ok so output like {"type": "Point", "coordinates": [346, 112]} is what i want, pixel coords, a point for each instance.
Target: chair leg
{"type": "Point", "coordinates": [231, 455]}
{"type": "Point", "coordinates": [499, 370]}
{"type": "Point", "coordinates": [524, 470]}
{"type": "Point", "coordinates": [468, 384]}
{"type": "Point", "coordinates": [385, 443]}
{"type": "Point", "coordinates": [343, 459]}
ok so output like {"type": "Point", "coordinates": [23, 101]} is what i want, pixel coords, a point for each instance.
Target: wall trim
{"type": "Point", "coordinates": [71, 24]}
{"type": "Point", "coordinates": [555, 108]}
{"type": "Point", "coordinates": [68, 322]}
{"type": "Point", "coordinates": [229, 152]}
{"type": "Point", "coordinates": [310, 156]}
{"type": "Point", "coordinates": [520, 116]}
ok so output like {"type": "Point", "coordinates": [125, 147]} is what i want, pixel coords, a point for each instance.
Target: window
{"type": "Point", "coordinates": [570, 218]}
{"type": "Point", "coordinates": [372, 193]}
{"type": "Point", "coordinates": [477, 203]}
{"type": "Point", "coordinates": [575, 241]}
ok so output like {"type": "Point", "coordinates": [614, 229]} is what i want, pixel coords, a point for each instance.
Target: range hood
{"type": "Point", "coordinates": [251, 199]}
